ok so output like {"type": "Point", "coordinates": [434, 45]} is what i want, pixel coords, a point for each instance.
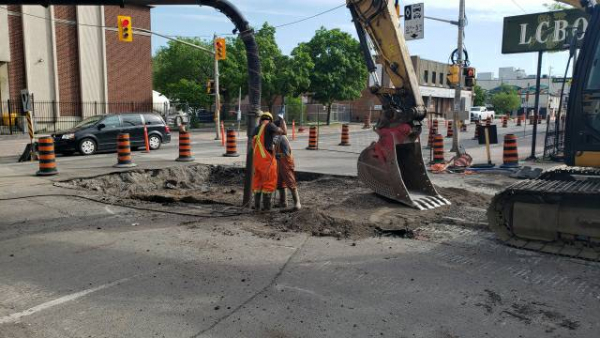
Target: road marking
{"type": "Point", "coordinates": [68, 298]}
{"type": "Point", "coordinates": [109, 211]}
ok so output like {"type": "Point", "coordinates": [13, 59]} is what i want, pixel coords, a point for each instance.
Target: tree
{"type": "Point", "coordinates": [181, 72]}
{"type": "Point", "coordinates": [339, 68]}
{"type": "Point", "coordinates": [553, 6]}
{"type": "Point", "coordinates": [506, 100]}
{"type": "Point", "coordinates": [480, 96]}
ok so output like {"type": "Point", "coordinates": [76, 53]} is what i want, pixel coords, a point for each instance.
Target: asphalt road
{"type": "Point", "coordinates": [71, 268]}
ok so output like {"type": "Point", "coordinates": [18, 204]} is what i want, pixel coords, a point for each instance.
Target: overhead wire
{"type": "Point", "coordinates": [517, 4]}
{"type": "Point", "coordinates": [74, 23]}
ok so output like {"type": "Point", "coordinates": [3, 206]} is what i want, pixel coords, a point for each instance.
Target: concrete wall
{"type": "Point", "coordinates": [4, 44]}
{"type": "Point", "coordinates": [40, 63]}
{"type": "Point", "coordinates": [4, 90]}
{"type": "Point", "coordinates": [92, 52]}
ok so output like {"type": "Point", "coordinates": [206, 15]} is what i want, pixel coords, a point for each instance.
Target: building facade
{"type": "Point", "coordinates": [437, 93]}
{"type": "Point", "coordinates": [550, 92]}
{"type": "Point", "coordinates": [506, 73]}
{"type": "Point", "coordinates": [71, 56]}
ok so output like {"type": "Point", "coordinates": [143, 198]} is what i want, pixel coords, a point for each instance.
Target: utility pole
{"type": "Point", "coordinates": [458, 90]}
{"type": "Point", "coordinates": [217, 94]}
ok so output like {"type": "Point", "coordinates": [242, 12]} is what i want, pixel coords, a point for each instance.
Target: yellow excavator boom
{"type": "Point", "coordinates": [393, 166]}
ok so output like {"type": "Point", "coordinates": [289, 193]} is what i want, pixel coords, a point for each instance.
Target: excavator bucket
{"type": "Point", "coordinates": [396, 170]}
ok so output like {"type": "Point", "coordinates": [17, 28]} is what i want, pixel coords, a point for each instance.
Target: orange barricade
{"type": "Point", "coordinates": [46, 157]}
{"type": "Point", "coordinates": [231, 144]}
{"type": "Point", "coordinates": [185, 147]}
{"type": "Point", "coordinates": [124, 158]}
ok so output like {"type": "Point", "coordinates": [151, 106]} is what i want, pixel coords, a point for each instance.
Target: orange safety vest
{"type": "Point", "coordinates": [265, 165]}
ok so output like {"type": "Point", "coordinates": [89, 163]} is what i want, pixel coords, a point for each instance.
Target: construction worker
{"type": "Point", "coordinates": [286, 178]}
{"type": "Point", "coordinates": [264, 181]}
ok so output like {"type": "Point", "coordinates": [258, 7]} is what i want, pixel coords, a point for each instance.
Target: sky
{"type": "Point", "coordinates": [483, 35]}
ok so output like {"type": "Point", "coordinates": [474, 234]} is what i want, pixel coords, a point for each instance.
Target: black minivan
{"type": "Point", "coordinates": [99, 133]}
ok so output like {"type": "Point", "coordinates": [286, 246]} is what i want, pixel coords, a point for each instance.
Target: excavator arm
{"type": "Point", "coordinates": [393, 166]}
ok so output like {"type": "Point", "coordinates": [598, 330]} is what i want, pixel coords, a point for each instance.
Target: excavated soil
{"type": "Point", "coordinates": [341, 207]}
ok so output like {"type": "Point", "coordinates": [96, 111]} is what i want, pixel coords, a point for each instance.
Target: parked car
{"type": "Point", "coordinates": [99, 133]}
{"type": "Point", "coordinates": [481, 114]}
{"type": "Point", "coordinates": [175, 118]}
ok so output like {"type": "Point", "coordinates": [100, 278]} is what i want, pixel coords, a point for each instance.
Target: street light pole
{"type": "Point", "coordinates": [458, 90]}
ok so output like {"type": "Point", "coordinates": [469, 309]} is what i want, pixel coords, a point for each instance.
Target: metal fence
{"type": "Point", "coordinates": [300, 113]}
{"type": "Point", "coordinates": [554, 144]}
{"type": "Point", "coordinates": [52, 116]}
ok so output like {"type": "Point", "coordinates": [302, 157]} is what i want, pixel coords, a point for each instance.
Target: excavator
{"type": "Point", "coordinates": [559, 212]}
{"type": "Point", "coordinates": [393, 166]}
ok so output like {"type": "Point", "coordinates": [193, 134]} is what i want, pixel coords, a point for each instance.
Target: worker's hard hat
{"type": "Point", "coordinates": [266, 115]}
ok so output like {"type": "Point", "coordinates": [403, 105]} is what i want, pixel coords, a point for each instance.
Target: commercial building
{"type": "Point", "coordinates": [70, 56]}
{"type": "Point", "coordinates": [506, 73]}
{"type": "Point", "coordinates": [549, 94]}
{"type": "Point", "coordinates": [437, 93]}
{"type": "Point", "coordinates": [487, 76]}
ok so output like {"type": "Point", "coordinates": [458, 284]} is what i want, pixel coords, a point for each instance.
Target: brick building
{"type": "Point", "coordinates": [71, 56]}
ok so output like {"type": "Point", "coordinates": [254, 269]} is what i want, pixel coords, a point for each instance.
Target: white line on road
{"type": "Point", "coordinates": [16, 316]}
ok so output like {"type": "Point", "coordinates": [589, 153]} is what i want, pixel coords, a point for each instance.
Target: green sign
{"type": "Point", "coordinates": [561, 80]}
{"type": "Point", "coordinates": [549, 31]}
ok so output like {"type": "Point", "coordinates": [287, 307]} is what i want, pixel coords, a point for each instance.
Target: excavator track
{"type": "Point", "coordinates": [559, 213]}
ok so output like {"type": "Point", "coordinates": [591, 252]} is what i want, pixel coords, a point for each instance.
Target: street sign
{"type": "Point", "coordinates": [377, 107]}
{"type": "Point", "coordinates": [25, 101]}
{"type": "Point", "coordinates": [562, 79]}
{"type": "Point", "coordinates": [541, 32]}
{"type": "Point", "coordinates": [414, 22]}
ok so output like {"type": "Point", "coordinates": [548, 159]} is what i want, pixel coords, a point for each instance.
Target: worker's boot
{"type": "Point", "coordinates": [257, 197]}
{"type": "Point", "coordinates": [296, 195]}
{"type": "Point", "coordinates": [267, 202]}
{"type": "Point", "coordinates": [282, 199]}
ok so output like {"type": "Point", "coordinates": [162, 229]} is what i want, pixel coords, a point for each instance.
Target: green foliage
{"type": "Point", "coordinates": [181, 72]}
{"type": "Point", "coordinates": [480, 96]}
{"type": "Point", "coordinates": [339, 70]}
{"type": "Point", "coordinates": [506, 100]}
{"type": "Point", "coordinates": [554, 6]}
{"type": "Point", "coordinates": [294, 109]}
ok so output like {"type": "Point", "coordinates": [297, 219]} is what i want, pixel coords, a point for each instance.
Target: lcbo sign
{"type": "Point", "coordinates": [543, 31]}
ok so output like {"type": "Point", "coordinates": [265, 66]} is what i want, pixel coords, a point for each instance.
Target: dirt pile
{"type": "Point", "coordinates": [341, 207]}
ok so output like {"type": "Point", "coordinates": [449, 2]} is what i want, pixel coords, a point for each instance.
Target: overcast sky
{"type": "Point", "coordinates": [483, 33]}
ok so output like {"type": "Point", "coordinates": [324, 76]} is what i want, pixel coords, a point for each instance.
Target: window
{"type": "Point", "coordinates": [426, 77]}
{"type": "Point", "coordinates": [433, 78]}
{"type": "Point", "coordinates": [153, 119]}
{"type": "Point", "coordinates": [442, 79]}
{"type": "Point", "coordinates": [594, 77]}
{"type": "Point", "coordinates": [112, 122]}
{"type": "Point", "coordinates": [132, 120]}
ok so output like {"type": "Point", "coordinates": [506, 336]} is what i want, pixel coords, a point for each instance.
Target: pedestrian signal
{"type": "Point", "coordinates": [210, 87]}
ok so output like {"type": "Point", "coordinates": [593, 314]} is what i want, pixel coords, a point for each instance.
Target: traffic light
{"type": "Point", "coordinates": [220, 49]}
{"type": "Point", "coordinates": [125, 29]}
{"type": "Point", "coordinates": [210, 87]}
{"type": "Point", "coordinates": [454, 75]}
{"type": "Point", "coordinates": [470, 73]}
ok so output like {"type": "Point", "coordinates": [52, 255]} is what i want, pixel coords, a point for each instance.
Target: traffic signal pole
{"type": "Point", "coordinates": [217, 94]}
{"type": "Point", "coordinates": [458, 90]}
